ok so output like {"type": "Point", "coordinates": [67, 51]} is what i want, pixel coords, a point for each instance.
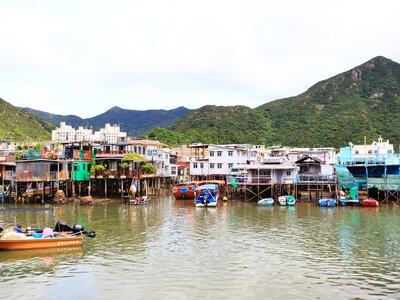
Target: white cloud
{"type": "Point", "coordinates": [85, 57]}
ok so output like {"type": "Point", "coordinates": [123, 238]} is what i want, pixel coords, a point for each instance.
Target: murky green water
{"type": "Point", "coordinates": [172, 250]}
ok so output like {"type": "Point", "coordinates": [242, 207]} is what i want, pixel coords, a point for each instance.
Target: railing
{"type": "Point", "coordinates": [315, 178]}
{"type": "Point", "coordinates": [251, 180]}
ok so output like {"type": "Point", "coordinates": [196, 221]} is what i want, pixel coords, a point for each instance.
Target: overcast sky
{"type": "Point", "coordinates": [84, 57]}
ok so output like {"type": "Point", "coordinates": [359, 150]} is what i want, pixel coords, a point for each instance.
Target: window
{"type": "Point", "coordinates": [219, 153]}
{"type": "Point", "coordinates": [194, 165]}
{"type": "Point", "coordinates": [356, 152]}
{"type": "Point", "coordinates": [288, 173]}
{"type": "Point", "coordinates": [389, 151]}
{"type": "Point", "coordinates": [219, 166]}
{"type": "Point", "coordinates": [201, 166]}
{"type": "Point", "coordinates": [369, 151]}
{"type": "Point", "coordinates": [211, 153]}
{"type": "Point", "coordinates": [212, 165]}
{"type": "Point", "coordinates": [230, 166]}
{"type": "Point", "coordinates": [230, 153]}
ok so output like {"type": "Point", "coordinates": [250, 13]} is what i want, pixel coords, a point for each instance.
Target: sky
{"type": "Point", "coordinates": [84, 57]}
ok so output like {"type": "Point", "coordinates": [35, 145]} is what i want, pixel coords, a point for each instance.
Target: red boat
{"type": "Point", "coordinates": [185, 190]}
{"type": "Point", "coordinates": [369, 202]}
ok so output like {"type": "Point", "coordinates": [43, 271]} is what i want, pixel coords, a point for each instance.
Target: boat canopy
{"type": "Point", "coordinates": [208, 187]}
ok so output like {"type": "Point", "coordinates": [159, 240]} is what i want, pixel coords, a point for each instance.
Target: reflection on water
{"type": "Point", "coordinates": [172, 250]}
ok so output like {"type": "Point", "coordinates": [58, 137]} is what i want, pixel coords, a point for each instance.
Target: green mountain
{"type": "Point", "coordinates": [134, 122]}
{"type": "Point", "coordinates": [19, 125]}
{"type": "Point", "coordinates": [219, 125]}
{"type": "Point", "coordinates": [364, 101]}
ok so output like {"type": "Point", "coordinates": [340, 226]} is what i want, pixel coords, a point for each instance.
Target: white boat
{"type": "Point", "coordinates": [207, 195]}
{"type": "Point", "coordinates": [286, 200]}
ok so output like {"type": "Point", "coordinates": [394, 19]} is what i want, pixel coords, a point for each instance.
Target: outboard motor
{"type": "Point", "coordinates": [62, 227]}
{"type": "Point", "coordinates": [78, 228]}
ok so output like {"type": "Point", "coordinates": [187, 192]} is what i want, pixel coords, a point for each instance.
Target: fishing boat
{"type": "Point", "coordinates": [184, 190]}
{"type": "Point", "coordinates": [286, 200]}
{"type": "Point", "coordinates": [207, 195]}
{"type": "Point", "coordinates": [327, 201]}
{"type": "Point", "coordinates": [266, 202]}
{"type": "Point", "coordinates": [32, 191]}
{"type": "Point", "coordinates": [370, 202]}
{"type": "Point", "coordinates": [16, 238]}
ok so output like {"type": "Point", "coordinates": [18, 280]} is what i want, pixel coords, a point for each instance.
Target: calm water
{"type": "Point", "coordinates": [172, 250]}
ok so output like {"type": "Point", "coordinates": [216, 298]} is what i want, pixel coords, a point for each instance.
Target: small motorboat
{"type": "Point", "coordinates": [139, 200]}
{"type": "Point", "coordinates": [287, 200]}
{"type": "Point", "coordinates": [207, 195]}
{"type": "Point", "coordinates": [369, 202]}
{"type": "Point", "coordinates": [327, 202]}
{"type": "Point", "coordinates": [266, 202]}
{"type": "Point", "coordinates": [16, 238]}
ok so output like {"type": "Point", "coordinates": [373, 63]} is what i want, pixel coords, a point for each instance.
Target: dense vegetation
{"type": "Point", "coordinates": [18, 125]}
{"type": "Point", "coordinates": [219, 125]}
{"type": "Point", "coordinates": [364, 101]}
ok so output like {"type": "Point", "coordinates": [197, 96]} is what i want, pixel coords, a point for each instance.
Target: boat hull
{"type": "Point", "coordinates": [369, 202]}
{"type": "Point", "coordinates": [266, 202]}
{"type": "Point", "coordinates": [40, 243]}
{"type": "Point", "coordinates": [327, 202]}
{"type": "Point", "coordinates": [184, 191]}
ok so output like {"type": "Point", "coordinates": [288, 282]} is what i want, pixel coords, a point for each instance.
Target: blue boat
{"type": "Point", "coordinates": [327, 202]}
{"type": "Point", "coordinates": [266, 202]}
{"type": "Point", "coordinates": [207, 195]}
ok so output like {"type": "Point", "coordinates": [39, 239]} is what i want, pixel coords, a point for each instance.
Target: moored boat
{"type": "Point", "coordinates": [369, 202]}
{"type": "Point", "coordinates": [31, 242]}
{"type": "Point", "coordinates": [286, 200]}
{"type": "Point", "coordinates": [266, 202]}
{"type": "Point", "coordinates": [327, 202]}
{"type": "Point", "coordinates": [184, 190]}
{"type": "Point", "coordinates": [16, 238]}
{"type": "Point", "coordinates": [207, 195]}
{"type": "Point", "coordinates": [139, 200]}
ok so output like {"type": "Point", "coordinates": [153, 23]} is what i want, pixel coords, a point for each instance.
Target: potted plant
{"type": "Point", "coordinates": [123, 166]}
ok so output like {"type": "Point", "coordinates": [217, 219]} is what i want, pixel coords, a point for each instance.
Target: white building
{"type": "Point", "coordinates": [376, 148]}
{"type": "Point", "coordinates": [109, 134]}
{"type": "Point", "coordinates": [218, 160]}
{"type": "Point", "coordinates": [64, 133]}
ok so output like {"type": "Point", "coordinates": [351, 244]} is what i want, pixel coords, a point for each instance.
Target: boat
{"type": "Point", "coordinates": [370, 202]}
{"type": "Point", "coordinates": [16, 238]}
{"type": "Point", "coordinates": [286, 200]}
{"type": "Point", "coordinates": [347, 201]}
{"type": "Point", "coordinates": [33, 191]}
{"type": "Point", "coordinates": [32, 242]}
{"type": "Point", "coordinates": [351, 199]}
{"type": "Point", "coordinates": [139, 200]}
{"type": "Point", "coordinates": [207, 195]}
{"type": "Point", "coordinates": [221, 185]}
{"type": "Point", "coordinates": [327, 201]}
{"type": "Point", "coordinates": [266, 202]}
{"type": "Point", "coordinates": [184, 190]}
